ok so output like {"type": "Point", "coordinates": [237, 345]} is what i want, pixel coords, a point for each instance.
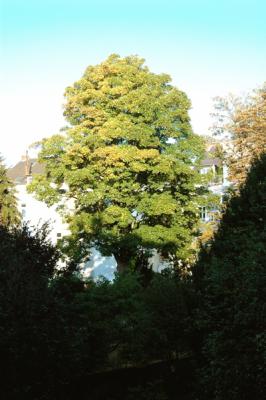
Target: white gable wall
{"type": "Point", "coordinates": [37, 212]}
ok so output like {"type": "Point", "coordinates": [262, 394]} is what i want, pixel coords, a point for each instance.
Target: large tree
{"type": "Point", "coordinates": [244, 119]}
{"type": "Point", "coordinates": [128, 160]}
{"type": "Point", "coordinates": [233, 297]}
{"type": "Point", "coordinates": [9, 214]}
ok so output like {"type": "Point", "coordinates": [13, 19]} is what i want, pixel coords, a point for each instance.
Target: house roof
{"type": "Point", "coordinates": [209, 161]}
{"type": "Point", "coordinates": [24, 168]}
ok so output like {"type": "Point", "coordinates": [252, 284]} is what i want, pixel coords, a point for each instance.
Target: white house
{"type": "Point", "coordinates": [219, 182]}
{"type": "Point", "coordinates": [36, 213]}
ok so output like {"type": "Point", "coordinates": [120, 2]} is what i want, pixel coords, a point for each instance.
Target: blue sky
{"type": "Point", "coordinates": [208, 47]}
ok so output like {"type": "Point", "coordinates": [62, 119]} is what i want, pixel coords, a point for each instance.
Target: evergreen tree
{"type": "Point", "coordinates": [9, 214]}
{"type": "Point", "coordinates": [233, 290]}
{"type": "Point", "coordinates": [129, 162]}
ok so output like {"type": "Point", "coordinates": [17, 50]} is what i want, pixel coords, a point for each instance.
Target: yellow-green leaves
{"type": "Point", "coordinates": [158, 204]}
{"type": "Point", "coordinates": [128, 159]}
{"type": "Point", "coordinates": [44, 190]}
{"type": "Point", "coordinates": [9, 214]}
{"type": "Point", "coordinates": [115, 215]}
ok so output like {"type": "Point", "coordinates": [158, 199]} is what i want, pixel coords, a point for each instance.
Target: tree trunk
{"type": "Point", "coordinates": [122, 263]}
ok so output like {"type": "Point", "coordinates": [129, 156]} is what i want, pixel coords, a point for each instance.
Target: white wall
{"type": "Point", "coordinates": [36, 213]}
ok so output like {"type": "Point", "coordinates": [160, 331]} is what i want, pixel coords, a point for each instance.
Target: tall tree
{"type": "Point", "coordinates": [245, 122]}
{"type": "Point", "coordinates": [233, 301]}
{"type": "Point", "coordinates": [127, 161]}
{"type": "Point", "coordinates": [9, 214]}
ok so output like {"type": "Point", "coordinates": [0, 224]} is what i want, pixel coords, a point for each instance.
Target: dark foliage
{"type": "Point", "coordinates": [27, 264]}
{"type": "Point", "coordinates": [232, 282]}
{"type": "Point", "coordinates": [56, 330]}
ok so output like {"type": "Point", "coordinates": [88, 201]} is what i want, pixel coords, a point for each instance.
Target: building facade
{"type": "Point", "coordinates": [36, 213]}
{"type": "Point", "coordinates": [218, 180]}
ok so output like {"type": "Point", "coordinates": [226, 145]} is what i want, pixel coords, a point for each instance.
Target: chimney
{"type": "Point", "coordinates": [27, 165]}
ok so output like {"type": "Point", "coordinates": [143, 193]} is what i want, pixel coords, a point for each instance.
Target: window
{"type": "Point", "coordinates": [203, 213]}
{"type": "Point", "coordinates": [23, 210]}
{"type": "Point", "coordinates": [205, 170]}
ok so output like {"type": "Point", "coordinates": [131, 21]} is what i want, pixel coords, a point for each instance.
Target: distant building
{"type": "Point", "coordinates": [37, 212]}
{"type": "Point", "coordinates": [218, 183]}
{"type": "Point", "coordinates": [32, 210]}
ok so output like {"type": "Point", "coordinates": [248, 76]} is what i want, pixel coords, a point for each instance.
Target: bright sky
{"type": "Point", "coordinates": [209, 47]}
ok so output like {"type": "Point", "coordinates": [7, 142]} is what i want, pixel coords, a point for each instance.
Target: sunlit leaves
{"type": "Point", "coordinates": [244, 119]}
{"type": "Point", "coordinates": [9, 214]}
{"type": "Point", "coordinates": [129, 160]}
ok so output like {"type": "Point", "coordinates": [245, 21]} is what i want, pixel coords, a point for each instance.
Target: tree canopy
{"type": "Point", "coordinates": [245, 121]}
{"type": "Point", "coordinates": [128, 162]}
{"type": "Point", "coordinates": [9, 214]}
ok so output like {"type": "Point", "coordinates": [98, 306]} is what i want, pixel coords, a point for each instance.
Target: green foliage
{"type": "Point", "coordinates": [9, 214]}
{"type": "Point", "coordinates": [129, 161]}
{"type": "Point", "coordinates": [232, 281]}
